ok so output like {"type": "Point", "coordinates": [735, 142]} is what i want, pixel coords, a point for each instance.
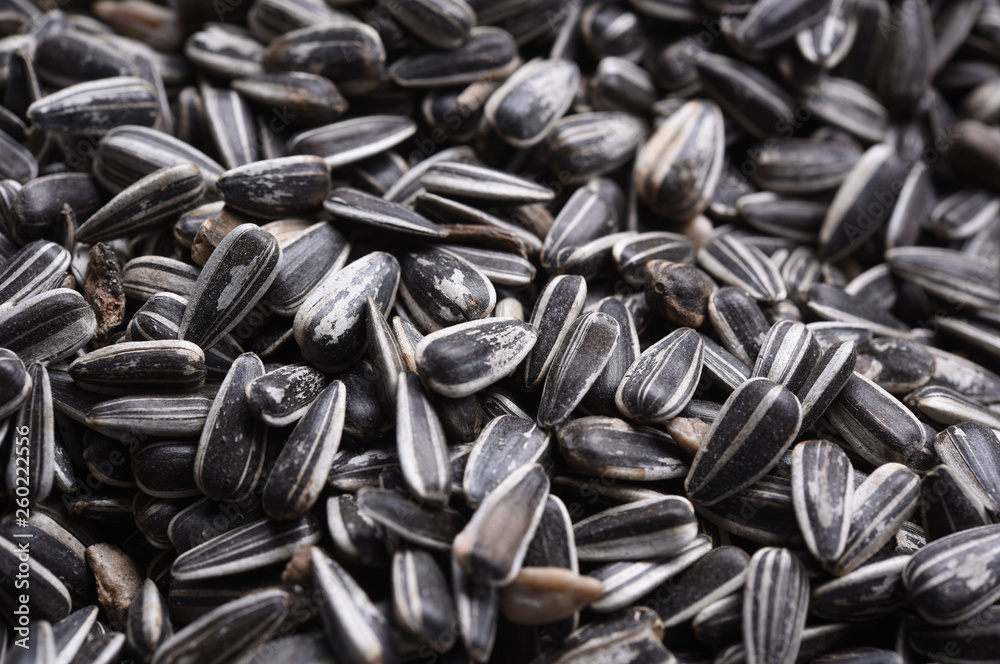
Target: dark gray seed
{"type": "Point", "coordinates": [441, 288]}
{"type": "Point", "coordinates": [281, 397]}
{"type": "Point", "coordinates": [823, 495]}
{"type": "Point", "coordinates": [228, 631]}
{"type": "Point", "coordinates": [949, 504]}
{"type": "Point", "coordinates": [775, 606]}
{"type": "Point", "coordinates": [738, 264]}
{"type": "Point", "coordinates": [356, 537]}
{"type": "Point", "coordinates": [973, 451]}
{"type": "Point", "coordinates": [862, 204]}
{"type": "Point", "coordinates": [488, 53]}
{"type": "Point", "coordinates": [626, 582]}
{"type": "Point", "coordinates": [906, 61]}
{"type": "Point", "coordinates": [421, 443]}
{"type": "Point", "coordinates": [739, 322]}
{"type": "Point", "coordinates": [757, 424]}
{"type": "Point", "coordinates": [599, 400]}
{"type": "Point", "coordinates": [306, 260]}
{"type": "Point", "coordinates": [579, 362]}
{"type": "Point", "coordinates": [33, 443]}
{"type": "Point", "coordinates": [832, 303]}
{"type": "Point", "coordinates": [231, 126]}
{"type": "Point", "coordinates": [165, 469]}
{"type": "Point", "coordinates": [502, 268]}
{"type": "Point", "coordinates": [722, 367]}
{"type": "Point", "coordinates": [663, 379]}
{"type": "Point", "coordinates": [635, 635]}
{"type": "Point", "coordinates": [756, 102]}
{"type": "Point", "coordinates": [505, 444]}
{"type": "Point", "coordinates": [788, 355]}
{"type": "Point", "coordinates": [97, 106]}
{"type": "Point", "coordinates": [797, 219]}
{"type": "Point", "coordinates": [952, 275]}
{"type": "Point", "coordinates": [15, 382]}
{"type": "Point", "coordinates": [151, 415]}
{"type": "Point", "coordinates": [622, 85]}
{"type": "Point", "coordinates": [965, 376]}
{"type": "Point", "coordinates": [141, 365]}
{"type": "Point", "coordinates": [772, 21]}
{"type": "Point", "coordinates": [248, 547]}
{"type": "Point", "coordinates": [368, 414]}
{"type": "Point", "coordinates": [205, 519]}
{"type": "Point", "coordinates": [525, 108]}
{"type": "Point", "coordinates": [850, 106]}
{"type": "Point", "coordinates": [716, 575]}
{"type": "Point", "coordinates": [303, 466]}
{"type": "Point", "coordinates": [19, 164]}
{"type": "Point", "coordinates": [464, 358]}
{"type": "Point", "coordinates": [454, 178]}
{"type": "Point", "coordinates": [636, 531]}
{"type": "Point", "coordinates": [678, 168]}
{"type": "Point", "coordinates": [876, 425]}
{"type": "Point", "coordinates": [609, 447]}
{"type": "Point", "coordinates": [592, 212]}
{"type": "Point", "coordinates": [232, 444]}
{"type": "Point", "coordinates": [358, 206]}
{"type": "Point", "coordinates": [954, 578]}
{"type": "Point", "coordinates": [769, 505]}
{"type": "Point", "coordinates": [350, 141]}
{"type": "Point", "coordinates": [312, 99]}
{"type": "Point", "coordinates": [422, 525]}
{"type": "Point", "coordinates": [330, 325]}
{"type": "Point", "coordinates": [478, 612]}
{"type": "Point", "coordinates": [875, 284]}
{"type": "Point", "coordinates": [29, 270]}
{"type": "Point", "coordinates": [945, 406]}
{"type": "Point", "coordinates": [276, 188]}
{"type": "Point", "coordinates": [868, 592]}
{"type": "Point", "coordinates": [896, 365]}
{"type": "Point", "coordinates": [678, 292]}
{"type": "Point", "coordinates": [70, 633]}
{"type": "Point", "coordinates": [421, 598]}
{"type": "Point", "coordinates": [633, 252]}
{"type": "Point", "coordinates": [146, 276]}
{"type": "Point", "coordinates": [612, 31]}
{"type": "Point", "coordinates": [148, 623]}
{"type": "Point", "coordinates": [268, 19]}
{"type": "Point", "coordinates": [47, 327]}
{"type": "Point", "coordinates": [70, 56]}
{"type": "Point", "coordinates": [913, 208]}
{"type": "Point", "coordinates": [36, 206]}
{"type": "Point", "coordinates": [225, 52]}
{"type": "Point", "coordinates": [127, 154]}
{"type": "Point", "coordinates": [147, 204]}
{"type": "Point", "coordinates": [236, 276]}
{"type": "Point", "coordinates": [553, 546]}
{"type": "Point", "coordinates": [720, 622]}
{"type": "Point", "coordinates": [882, 503]}
{"type": "Point", "coordinates": [586, 145]}
{"type": "Point", "coordinates": [963, 214]}
{"type": "Point", "coordinates": [350, 53]}
{"type": "Point", "coordinates": [493, 544]}
{"type": "Point", "coordinates": [828, 42]}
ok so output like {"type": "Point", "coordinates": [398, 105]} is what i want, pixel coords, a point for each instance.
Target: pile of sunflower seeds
{"type": "Point", "coordinates": [552, 331]}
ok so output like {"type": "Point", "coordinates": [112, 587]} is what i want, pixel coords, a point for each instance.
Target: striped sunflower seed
{"type": "Point", "coordinates": [232, 281]}
{"type": "Point", "coordinates": [350, 141]}
{"type": "Point", "coordinates": [421, 598]}
{"type": "Point", "coordinates": [771, 22]}
{"type": "Point", "coordinates": [330, 324]}
{"type": "Point", "coordinates": [38, 203]}
{"type": "Point", "coordinates": [610, 447]}
{"type": "Point", "coordinates": [146, 276]}
{"type": "Point", "coordinates": [722, 367]}
{"type": "Point", "coordinates": [524, 109]}
{"type": "Point", "coordinates": [232, 444]}
{"type": "Point", "coordinates": [151, 415]}
{"type": "Point", "coordinates": [276, 188]}
{"type": "Point", "coordinates": [141, 365]}
{"type": "Point", "coordinates": [505, 444]}
{"type": "Point", "coordinates": [896, 365]}
{"type": "Point", "coordinates": [165, 468]}
{"type": "Point", "coordinates": [248, 547]}
{"type": "Point", "coordinates": [738, 264]}
{"type": "Point", "coordinates": [718, 574]}
{"type": "Point", "coordinates": [441, 288]}
{"type": "Point", "coordinates": [757, 424]}
{"type": "Point", "coordinates": [976, 640]}
{"type": "Point", "coordinates": [29, 270]}
{"type": "Point", "coordinates": [421, 443]}
{"type": "Point", "coordinates": [225, 52]}
{"type": "Point", "coordinates": [96, 106]}
{"type": "Point", "coordinates": [127, 154]}
{"type": "Point", "coordinates": [763, 513]}
{"type": "Point", "coordinates": [312, 99]}
{"type": "Point", "coordinates": [454, 178]}
{"type": "Point", "coordinates": [419, 524]}
{"type": "Point", "coordinates": [952, 275]}
{"type": "Point", "coordinates": [775, 606]}
{"type": "Point", "coordinates": [663, 379]}
{"type": "Point", "coordinates": [478, 612]}
{"type": "Point", "coordinates": [823, 495]}
{"type": "Point", "coordinates": [678, 168]}
{"type": "Point", "coordinates": [361, 207]}
{"type": "Point", "coordinates": [587, 145]}
{"type": "Point", "coordinates": [938, 576]}
{"type": "Point", "coordinates": [873, 590]}
{"type": "Point", "coordinates": [15, 385]}
{"type": "Point", "coordinates": [281, 397]}
{"type": "Point", "coordinates": [47, 327]}
{"type": "Point", "coordinates": [355, 536]}
{"type": "Point", "coordinates": [788, 355]}
{"type": "Point", "coordinates": [970, 449]}
{"type": "Point", "coordinates": [489, 53]}
{"type": "Point", "coordinates": [948, 504]}
{"type": "Point", "coordinates": [148, 624]}
{"type": "Point", "coordinates": [882, 503]}
{"type": "Point", "coordinates": [625, 582]}
{"type": "Point", "coordinates": [306, 261]}
{"type": "Point", "coordinates": [645, 529]}
{"type": "Point", "coordinates": [493, 544]}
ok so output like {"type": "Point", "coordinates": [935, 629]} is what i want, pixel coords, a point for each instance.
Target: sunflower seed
{"type": "Point", "coordinates": [127, 154]}
{"type": "Point", "coordinates": [453, 178]}
{"type": "Point", "coordinates": [949, 504]}
{"type": "Point", "coordinates": [949, 274]}
{"type": "Point", "coordinates": [882, 503]}
{"type": "Point", "coordinates": [306, 260]}
{"type": "Point", "coordinates": [350, 141]}
{"type": "Point", "coordinates": [276, 188]}
{"type": "Point", "coordinates": [148, 623]}
{"type": "Point", "coordinates": [525, 108]}
{"type": "Point", "coordinates": [281, 397]}
{"type": "Point", "coordinates": [761, 415]}
{"type": "Point", "coordinates": [489, 53]}
{"type": "Point", "coordinates": [165, 469]}
{"type": "Point", "coordinates": [762, 513]}
{"type": "Point", "coordinates": [823, 495]}
{"type": "Point", "coordinates": [828, 42]}
{"type": "Point", "coordinates": [225, 52]}
{"type": "Point", "coordinates": [738, 264]}
{"type": "Point", "coordinates": [312, 99]}
{"type": "Point", "coordinates": [138, 365]}
{"type": "Point", "coordinates": [355, 536]}
{"type": "Point", "coordinates": [587, 145]}
{"type": "Point", "coordinates": [626, 582]}
{"type": "Point", "coordinates": [146, 276]}
{"type": "Point", "coordinates": [771, 22]}
{"type": "Point", "coordinates": [870, 591]}
{"type": "Point", "coordinates": [504, 445]}
{"type": "Point", "coordinates": [96, 106]}
{"type": "Point", "coordinates": [248, 547]}
{"type": "Point", "coordinates": [422, 602]}
{"type": "Point", "coordinates": [788, 355]}
{"type": "Point", "coordinates": [646, 529]}
{"type": "Point", "coordinates": [609, 447]}
{"type": "Point", "coordinates": [478, 612]}
{"type": "Point", "coordinates": [832, 303]}
{"type": "Point", "coordinates": [358, 206]}
{"type": "Point", "coordinates": [722, 367]}
{"type": "Point", "coordinates": [228, 631]}
{"type": "Point", "coordinates": [662, 380]}
{"type": "Point", "coordinates": [422, 525]}
{"type": "Point", "coordinates": [971, 450]}
{"type": "Point", "coordinates": [775, 605]}
{"type": "Point", "coordinates": [49, 326]}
